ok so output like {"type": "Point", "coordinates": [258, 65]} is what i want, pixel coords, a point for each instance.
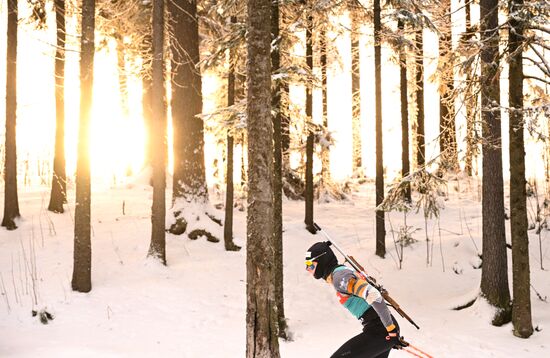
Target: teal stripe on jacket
{"type": "Point", "coordinates": [356, 305]}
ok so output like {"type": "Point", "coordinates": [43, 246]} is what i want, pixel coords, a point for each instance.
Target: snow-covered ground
{"type": "Point", "coordinates": [195, 307]}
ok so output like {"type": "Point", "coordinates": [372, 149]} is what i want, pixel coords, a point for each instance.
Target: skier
{"type": "Point", "coordinates": [380, 329]}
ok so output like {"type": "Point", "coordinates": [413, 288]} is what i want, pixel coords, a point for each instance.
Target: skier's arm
{"type": "Point", "coordinates": [361, 288]}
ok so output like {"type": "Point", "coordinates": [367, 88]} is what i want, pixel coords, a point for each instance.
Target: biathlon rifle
{"type": "Point", "coordinates": [368, 278]}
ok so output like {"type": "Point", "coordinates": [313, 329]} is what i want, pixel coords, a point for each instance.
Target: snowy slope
{"type": "Point", "coordinates": [195, 307]}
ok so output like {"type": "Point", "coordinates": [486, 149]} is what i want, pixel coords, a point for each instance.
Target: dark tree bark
{"type": "Point", "coordinates": [325, 154]}
{"type": "Point", "coordinates": [189, 171]}
{"type": "Point", "coordinates": [494, 275]}
{"type": "Point", "coordinates": [229, 195]}
{"type": "Point", "coordinates": [420, 140]}
{"type": "Point", "coordinates": [405, 161]}
{"type": "Point", "coordinates": [229, 192]}
{"type": "Point", "coordinates": [447, 125]}
{"type": "Point", "coordinates": [82, 269]}
{"type": "Point", "coordinates": [521, 309]}
{"type": "Point", "coordinates": [380, 224]}
{"type": "Point", "coordinates": [285, 131]}
{"type": "Point", "coordinates": [309, 189]}
{"type": "Point", "coordinates": [189, 179]}
{"type": "Point", "coordinates": [11, 201]}
{"type": "Point", "coordinates": [261, 313]}
{"type": "Point", "coordinates": [470, 100]}
{"type": "Point", "coordinates": [58, 194]}
{"type": "Point", "coordinates": [355, 90]}
{"type": "Point", "coordinates": [157, 248]}
{"type": "Point", "coordinates": [277, 175]}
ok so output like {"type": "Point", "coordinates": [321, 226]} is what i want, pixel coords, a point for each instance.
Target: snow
{"type": "Point", "coordinates": [196, 306]}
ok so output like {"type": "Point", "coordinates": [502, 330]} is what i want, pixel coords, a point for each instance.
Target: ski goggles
{"type": "Point", "coordinates": [309, 262]}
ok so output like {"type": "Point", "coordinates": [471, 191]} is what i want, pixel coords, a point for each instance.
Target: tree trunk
{"type": "Point", "coordinates": [277, 175]}
{"type": "Point", "coordinates": [189, 179]}
{"type": "Point", "coordinates": [380, 224]}
{"type": "Point", "coordinates": [420, 140]}
{"type": "Point", "coordinates": [447, 126]}
{"type": "Point", "coordinates": [229, 192]}
{"type": "Point", "coordinates": [470, 100]}
{"type": "Point", "coordinates": [189, 171]}
{"type": "Point", "coordinates": [146, 96]}
{"type": "Point", "coordinates": [228, 222]}
{"type": "Point", "coordinates": [521, 309]}
{"type": "Point", "coordinates": [11, 201]}
{"type": "Point", "coordinates": [494, 276]}
{"type": "Point", "coordinates": [285, 131]}
{"type": "Point", "coordinates": [325, 150]}
{"type": "Point", "coordinates": [309, 189]}
{"type": "Point", "coordinates": [261, 313]}
{"type": "Point", "coordinates": [82, 269]}
{"type": "Point", "coordinates": [355, 91]}
{"type": "Point", "coordinates": [157, 248]}
{"type": "Point", "coordinates": [405, 161]}
{"type": "Point", "coordinates": [58, 194]}
{"type": "Point", "coordinates": [284, 47]}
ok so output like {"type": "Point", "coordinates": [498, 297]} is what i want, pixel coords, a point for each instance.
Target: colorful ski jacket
{"type": "Point", "coordinates": [357, 295]}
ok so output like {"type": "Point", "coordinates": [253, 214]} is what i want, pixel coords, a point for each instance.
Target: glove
{"type": "Point", "coordinates": [401, 343]}
{"type": "Point", "coordinates": [396, 339]}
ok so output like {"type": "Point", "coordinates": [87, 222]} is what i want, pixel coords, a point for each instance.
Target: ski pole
{"type": "Point", "coordinates": [369, 279]}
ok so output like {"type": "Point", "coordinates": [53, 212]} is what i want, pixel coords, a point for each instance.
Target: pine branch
{"type": "Point", "coordinates": [545, 71]}
{"type": "Point", "coordinates": [539, 28]}
{"type": "Point", "coordinates": [542, 58]}
{"type": "Point", "coordinates": [537, 79]}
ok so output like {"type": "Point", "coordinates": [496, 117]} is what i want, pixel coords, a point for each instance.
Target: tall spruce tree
{"type": "Point", "coordinates": [229, 192]}
{"type": "Point", "coordinates": [521, 309]}
{"type": "Point", "coordinates": [157, 247]}
{"type": "Point", "coordinates": [58, 194]}
{"type": "Point", "coordinates": [419, 70]}
{"type": "Point", "coordinates": [355, 87]}
{"type": "Point", "coordinates": [380, 222]}
{"type": "Point", "coordinates": [447, 124]}
{"type": "Point", "coordinates": [82, 269]}
{"type": "Point", "coordinates": [403, 90]}
{"type": "Point", "coordinates": [325, 153]}
{"type": "Point", "coordinates": [261, 311]}
{"type": "Point", "coordinates": [189, 190]}
{"type": "Point", "coordinates": [277, 172]}
{"type": "Point", "coordinates": [309, 193]}
{"type": "Point", "coordinates": [494, 275]}
{"type": "Point", "coordinates": [11, 201]}
{"type": "Point", "coordinates": [469, 98]}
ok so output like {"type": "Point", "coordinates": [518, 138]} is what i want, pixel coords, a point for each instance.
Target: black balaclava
{"type": "Point", "coordinates": [325, 263]}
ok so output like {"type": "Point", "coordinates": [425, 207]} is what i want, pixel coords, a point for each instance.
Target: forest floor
{"type": "Point", "coordinates": [196, 306]}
